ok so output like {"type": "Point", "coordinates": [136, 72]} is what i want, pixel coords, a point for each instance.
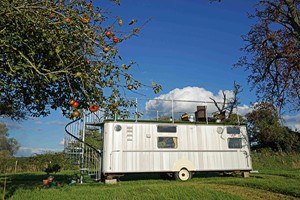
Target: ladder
{"type": "Point", "coordinates": [78, 151]}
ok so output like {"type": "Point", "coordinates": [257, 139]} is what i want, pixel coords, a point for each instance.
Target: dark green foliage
{"type": "Point", "coordinates": [93, 138]}
{"type": "Point", "coordinates": [235, 118]}
{"type": "Point", "coordinates": [52, 168]}
{"type": "Point", "coordinates": [8, 146]}
{"type": "Point", "coordinates": [266, 131]}
{"type": "Point", "coordinates": [36, 163]}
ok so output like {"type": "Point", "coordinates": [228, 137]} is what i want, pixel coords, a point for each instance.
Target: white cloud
{"type": "Point", "coordinates": [14, 125]}
{"type": "Point", "coordinates": [162, 105]}
{"type": "Point", "coordinates": [244, 109]}
{"type": "Point", "coordinates": [293, 122]}
{"type": "Point", "coordinates": [29, 151]}
{"type": "Point", "coordinates": [62, 142]}
{"type": "Point", "coordinates": [193, 97]}
{"type": "Point", "coordinates": [56, 122]}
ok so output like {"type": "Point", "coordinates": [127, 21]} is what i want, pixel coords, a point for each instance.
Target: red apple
{"type": "Point", "coordinates": [115, 40]}
{"type": "Point", "coordinates": [108, 34]}
{"type": "Point", "coordinates": [130, 87]}
{"type": "Point", "coordinates": [94, 108]}
{"type": "Point", "coordinates": [75, 104]}
{"type": "Point", "coordinates": [105, 49]}
{"type": "Point", "coordinates": [71, 101]}
{"type": "Point", "coordinates": [76, 113]}
{"type": "Point", "coordinates": [85, 20]}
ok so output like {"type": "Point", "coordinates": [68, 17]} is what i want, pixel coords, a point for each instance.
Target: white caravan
{"type": "Point", "coordinates": [175, 149]}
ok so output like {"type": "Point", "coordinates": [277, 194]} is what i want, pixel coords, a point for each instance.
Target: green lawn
{"type": "Point", "coordinates": [278, 178]}
{"type": "Point", "coordinates": [264, 185]}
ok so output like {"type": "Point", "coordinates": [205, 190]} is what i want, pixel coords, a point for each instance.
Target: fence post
{"type": "Point", "coordinates": [16, 166]}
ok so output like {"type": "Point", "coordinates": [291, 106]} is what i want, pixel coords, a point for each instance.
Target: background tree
{"type": "Point", "coordinates": [228, 104]}
{"type": "Point", "coordinates": [54, 51]}
{"type": "Point", "coordinates": [266, 131]}
{"type": "Point", "coordinates": [236, 118]}
{"type": "Point", "coordinates": [93, 138]}
{"type": "Point", "coordinates": [272, 52]}
{"type": "Point", "coordinates": [8, 146]}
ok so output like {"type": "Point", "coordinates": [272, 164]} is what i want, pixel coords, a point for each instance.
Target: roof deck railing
{"type": "Point", "coordinates": [174, 109]}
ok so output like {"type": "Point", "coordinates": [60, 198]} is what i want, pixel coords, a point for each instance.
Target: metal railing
{"type": "Point", "coordinates": [80, 153]}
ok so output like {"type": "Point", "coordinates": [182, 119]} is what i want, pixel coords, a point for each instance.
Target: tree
{"type": "Point", "coordinates": [93, 138]}
{"type": "Point", "coordinates": [228, 104]}
{"type": "Point", "coordinates": [265, 130]}
{"type": "Point", "coordinates": [54, 51]}
{"type": "Point", "coordinates": [8, 146]}
{"type": "Point", "coordinates": [236, 118]}
{"type": "Point", "coordinates": [272, 53]}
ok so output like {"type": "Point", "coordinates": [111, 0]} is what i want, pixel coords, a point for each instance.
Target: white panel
{"type": "Point", "coordinates": [134, 148]}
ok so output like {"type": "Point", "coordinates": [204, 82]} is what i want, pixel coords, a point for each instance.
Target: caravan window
{"type": "Point", "coordinates": [233, 130]}
{"type": "Point", "coordinates": [168, 129]}
{"type": "Point", "coordinates": [167, 142]}
{"type": "Point", "coordinates": [234, 143]}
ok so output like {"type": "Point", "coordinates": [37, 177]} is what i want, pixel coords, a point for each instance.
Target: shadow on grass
{"type": "Point", "coordinates": [30, 181]}
{"type": "Point", "coordinates": [160, 176]}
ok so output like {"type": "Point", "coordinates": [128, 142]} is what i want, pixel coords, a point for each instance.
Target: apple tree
{"type": "Point", "coordinates": [272, 53]}
{"type": "Point", "coordinates": [54, 51]}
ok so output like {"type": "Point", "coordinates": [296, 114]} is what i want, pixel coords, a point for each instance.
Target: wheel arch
{"type": "Point", "coordinates": [183, 164]}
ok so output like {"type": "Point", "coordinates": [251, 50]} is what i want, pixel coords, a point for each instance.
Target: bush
{"type": "Point", "coordinates": [36, 163]}
{"type": "Point", "coordinates": [266, 159]}
{"type": "Point", "coordinates": [52, 168]}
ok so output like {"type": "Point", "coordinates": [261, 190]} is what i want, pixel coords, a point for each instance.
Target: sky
{"type": "Point", "coordinates": [189, 47]}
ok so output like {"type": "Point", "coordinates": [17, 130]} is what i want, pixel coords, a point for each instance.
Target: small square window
{"type": "Point", "coordinates": [167, 142]}
{"type": "Point", "coordinates": [167, 129]}
{"type": "Point", "coordinates": [233, 130]}
{"type": "Point", "coordinates": [234, 143]}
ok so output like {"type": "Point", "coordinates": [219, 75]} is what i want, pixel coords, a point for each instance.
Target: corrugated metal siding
{"type": "Point", "coordinates": [134, 149]}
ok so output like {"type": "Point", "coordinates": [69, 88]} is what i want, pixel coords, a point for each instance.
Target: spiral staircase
{"type": "Point", "coordinates": [78, 151]}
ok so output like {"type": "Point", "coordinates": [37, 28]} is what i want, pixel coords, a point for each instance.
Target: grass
{"type": "Point", "coordinates": [279, 182]}
{"type": "Point", "coordinates": [150, 186]}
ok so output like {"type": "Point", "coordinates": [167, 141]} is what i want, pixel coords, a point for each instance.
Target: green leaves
{"type": "Point", "coordinates": [8, 146]}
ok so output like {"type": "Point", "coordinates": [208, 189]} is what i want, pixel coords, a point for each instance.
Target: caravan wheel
{"type": "Point", "coordinates": [183, 175]}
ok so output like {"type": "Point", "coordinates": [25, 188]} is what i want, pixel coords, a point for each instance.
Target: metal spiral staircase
{"type": "Point", "coordinates": [78, 151]}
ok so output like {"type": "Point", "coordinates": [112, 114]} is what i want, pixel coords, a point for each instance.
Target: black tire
{"type": "Point", "coordinates": [183, 175]}
{"type": "Point", "coordinates": [166, 176]}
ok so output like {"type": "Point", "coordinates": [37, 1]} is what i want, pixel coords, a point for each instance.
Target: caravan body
{"type": "Point", "coordinates": [173, 148]}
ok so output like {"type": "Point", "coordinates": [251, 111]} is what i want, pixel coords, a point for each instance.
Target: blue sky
{"type": "Point", "coordinates": [188, 47]}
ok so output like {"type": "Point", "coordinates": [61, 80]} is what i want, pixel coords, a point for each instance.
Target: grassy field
{"type": "Point", "coordinates": [279, 182]}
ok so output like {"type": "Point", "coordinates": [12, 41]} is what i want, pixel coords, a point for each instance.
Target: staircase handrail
{"type": "Point", "coordinates": [77, 138]}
